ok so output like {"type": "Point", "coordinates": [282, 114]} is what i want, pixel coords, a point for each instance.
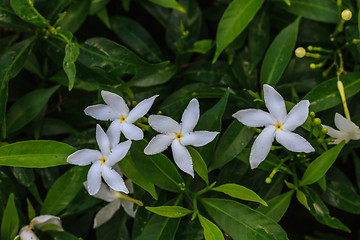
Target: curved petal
{"type": "Point", "coordinates": [94, 178]}
{"type": "Point", "coordinates": [105, 193]}
{"type": "Point", "coordinates": [118, 153]}
{"type": "Point", "coordinates": [113, 133]}
{"type": "Point", "coordinates": [101, 112]}
{"type": "Point", "coordinates": [27, 234]}
{"type": "Point", "coordinates": [140, 109]}
{"type": "Point", "coordinates": [113, 179]}
{"type": "Point", "coordinates": [274, 103]}
{"type": "Point", "coordinates": [128, 207]}
{"type": "Point", "coordinates": [198, 138]}
{"type": "Point", "coordinates": [344, 124]}
{"type": "Point", "coordinates": [164, 124]}
{"type": "Point", "coordinates": [331, 131]}
{"type": "Point", "coordinates": [158, 144]}
{"type": "Point", "coordinates": [297, 115]}
{"type": "Point", "coordinates": [254, 117]}
{"type": "Point", "coordinates": [293, 142]}
{"type": "Point", "coordinates": [84, 157]}
{"type": "Point", "coordinates": [182, 158]}
{"type": "Point", "coordinates": [102, 140]}
{"type": "Point", "coordinates": [115, 102]}
{"type": "Point", "coordinates": [50, 222]}
{"type": "Point", "coordinates": [131, 131]}
{"type": "Point", "coordinates": [106, 213]}
{"type": "Point", "coordinates": [190, 116]}
{"type": "Point", "coordinates": [261, 147]}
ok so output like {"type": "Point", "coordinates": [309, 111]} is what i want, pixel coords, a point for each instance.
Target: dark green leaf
{"type": "Point", "coordinates": [149, 78]}
{"type": "Point", "coordinates": [25, 10]}
{"type": "Point", "coordinates": [31, 210]}
{"type": "Point", "coordinates": [169, 4]}
{"type": "Point", "coordinates": [75, 15]}
{"type": "Point", "coordinates": [26, 177]}
{"type": "Point", "coordinates": [10, 20]}
{"type": "Point", "coordinates": [10, 220]}
{"type": "Point", "coordinates": [211, 231]}
{"type": "Point", "coordinates": [277, 206]}
{"type": "Point", "coordinates": [278, 55]}
{"type": "Point", "coordinates": [62, 235]}
{"type": "Point", "coordinates": [97, 6]}
{"type": "Point", "coordinates": [170, 211]}
{"type": "Point", "coordinates": [72, 52]}
{"type": "Point", "coordinates": [199, 164]}
{"type": "Point", "coordinates": [35, 154]}
{"type": "Point", "coordinates": [201, 46]}
{"type": "Point", "coordinates": [115, 229]}
{"type": "Point", "coordinates": [301, 197]}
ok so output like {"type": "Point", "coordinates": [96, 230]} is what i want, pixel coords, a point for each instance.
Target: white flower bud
{"type": "Point", "coordinates": [300, 52]}
{"type": "Point", "coordinates": [346, 14]}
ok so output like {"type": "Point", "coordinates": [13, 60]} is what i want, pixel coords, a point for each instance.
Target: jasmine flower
{"type": "Point", "coordinates": [42, 222]}
{"type": "Point", "coordinates": [347, 130]}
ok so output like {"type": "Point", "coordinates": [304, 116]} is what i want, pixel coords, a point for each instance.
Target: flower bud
{"type": "Point", "coordinates": [324, 131]}
{"type": "Point", "coordinates": [300, 52]}
{"type": "Point", "coordinates": [346, 14]}
{"type": "Point", "coordinates": [312, 114]}
{"type": "Point", "coordinates": [268, 180]}
{"type": "Point", "coordinates": [317, 121]}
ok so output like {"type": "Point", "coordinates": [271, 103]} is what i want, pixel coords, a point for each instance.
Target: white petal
{"type": "Point", "coordinates": [44, 220]}
{"type": "Point", "coordinates": [182, 157]}
{"type": "Point", "coordinates": [190, 116]}
{"type": "Point", "coordinates": [94, 178]}
{"type": "Point", "coordinates": [198, 138]}
{"type": "Point", "coordinates": [140, 109]}
{"type": "Point", "coordinates": [274, 103]}
{"type": "Point", "coordinates": [105, 194]}
{"type": "Point", "coordinates": [84, 157]}
{"type": "Point", "coordinates": [115, 102]}
{"type": "Point", "coordinates": [331, 131]}
{"type": "Point", "coordinates": [158, 144]}
{"type": "Point", "coordinates": [27, 234]}
{"type": "Point", "coordinates": [113, 179]}
{"type": "Point", "coordinates": [261, 147]}
{"type": "Point", "coordinates": [113, 133]}
{"type": "Point", "coordinates": [101, 112]}
{"type": "Point", "coordinates": [131, 131]}
{"type": "Point", "coordinates": [164, 124]}
{"type": "Point", "coordinates": [129, 185]}
{"type": "Point", "coordinates": [128, 207]}
{"type": "Point", "coordinates": [254, 117]}
{"type": "Point", "coordinates": [102, 140]}
{"type": "Point", "coordinates": [106, 213]}
{"type": "Point", "coordinates": [293, 142]}
{"type": "Point", "coordinates": [297, 116]}
{"type": "Point", "coordinates": [344, 124]}
{"type": "Point", "coordinates": [118, 153]}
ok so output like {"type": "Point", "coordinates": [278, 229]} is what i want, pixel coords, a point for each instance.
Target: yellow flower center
{"type": "Point", "coordinates": [122, 118]}
{"type": "Point", "coordinates": [278, 126]}
{"type": "Point", "coordinates": [179, 136]}
{"type": "Point", "coordinates": [103, 160]}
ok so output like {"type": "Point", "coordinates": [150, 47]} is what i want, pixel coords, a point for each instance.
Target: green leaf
{"type": "Point", "coordinates": [72, 52]}
{"type": "Point", "coordinates": [170, 211]}
{"type": "Point", "coordinates": [233, 141]}
{"type": "Point", "coordinates": [277, 206]}
{"type": "Point", "coordinates": [199, 164]}
{"type": "Point", "coordinates": [10, 220]}
{"type": "Point", "coordinates": [97, 5]}
{"type": "Point", "coordinates": [321, 165]}
{"type": "Point", "coordinates": [35, 154]}
{"type": "Point", "coordinates": [62, 235]}
{"type": "Point", "coordinates": [115, 229]}
{"type": "Point", "coordinates": [31, 210]}
{"type": "Point", "coordinates": [75, 15]}
{"type": "Point", "coordinates": [10, 20]}
{"type": "Point", "coordinates": [26, 11]}
{"type": "Point", "coordinates": [326, 94]}
{"type": "Point", "coordinates": [301, 197]}
{"type": "Point", "coordinates": [234, 20]}
{"type": "Point", "coordinates": [127, 166]}
{"type": "Point", "coordinates": [211, 231]}
{"type": "Point", "coordinates": [241, 221]}
{"type": "Point", "coordinates": [201, 46]}
{"type": "Point", "coordinates": [319, 10]}
{"type": "Point", "coordinates": [240, 192]}
{"type": "Point", "coordinates": [149, 78]}
{"type": "Point", "coordinates": [64, 190]}
{"type": "Point", "coordinates": [169, 4]}
{"type": "Point", "coordinates": [27, 108]}
{"type": "Point", "coordinates": [11, 62]}
{"type": "Point", "coordinates": [26, 177]}
{"type": "Point", "coordinates": [157, 168]}
{"type": "Point", "coordinates": [278, 55]}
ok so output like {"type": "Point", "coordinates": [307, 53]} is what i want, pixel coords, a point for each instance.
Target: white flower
{"type": "Point", "coordinates": [278, 124]}
{"type": "Point", "coordinates": [102, 162]}
{"type": "Point", "coordinates": [179, 136]}
{"type": "Point", "coordinates": [347, 130]}
{"type": "Point", "coordinates": [115, 199]}
{"type": "Point", "coordinates": [117, 111]}
{"type": "Point", "coordinates": [46, 222]}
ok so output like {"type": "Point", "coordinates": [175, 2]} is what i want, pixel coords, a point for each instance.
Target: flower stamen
{"type": "Point", "coordinates": [122, 118]}
{"type": "Point", "coordinates": [103, 160]}
{"type": "Point", "coordinates": [179, 136]}
{"type": "Point", "coordinates": [278, 126]}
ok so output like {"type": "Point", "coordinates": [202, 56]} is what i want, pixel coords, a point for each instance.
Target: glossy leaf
{"type": "Point", "coordinates": [278, 55]}
{"type": "Point", "coordinates": [64, 190]}
{"type": "Point", "coordinates": [321, 165]}
{"type": "Point", "coordinates": [277, 206]}
{"type": "Point", "coordinates": [232, 142]}
{"type": "Point", "coordinates": [169, 4]}
{"type": "Point", "coordinates": [234, 20]}
{"type": "Point", "coordinates": [240, 192]}
{"type": "Point", "coordinates": [10, 219]}
{"type": "Point", "coordinates": [211, 231]}
{"type": "Point", "coordinates": [241, 221]}
{"type": "Point", "coordinates": [72, 52]}
{"type": "Point", "coordinates": [9, 19]}
{"type": "Point", "coordinates": [75, 15]}
{"type": "Point", "coordinates": [326, 95]}
{"type": "Point", "coordinates": [199, 164]}
{"type": "Point", "coordinates": [301, 197]}
{"type": "Point", "coordinates": [153, 78]}
{"type": "Point", "coordinates": [35, 154]}
{"type": "Point", "coordinates": [25, 10]}
{"type": "Point", "coordinates": [170, 211]}
{"type": "Point", "coordinates": [27, 108]}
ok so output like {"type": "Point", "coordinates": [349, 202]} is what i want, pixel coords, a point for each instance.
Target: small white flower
{"type": "Point", "coordinates": [102, 162]}
{"type": "Point", "coordinates": [179, 136]}
{"type": "Point", "coordinates": [278, 124]}
{"type": "Point", "coordinates": [115, 199]}
{"type": "Point", "coordinates": [122, 119]}
{"type": "Point", "coordinates": [46, 222]}
{"type": "Point", "coordinates": [347, 130]}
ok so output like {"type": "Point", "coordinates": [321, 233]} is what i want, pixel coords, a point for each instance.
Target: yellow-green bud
{"type": "Point", "coordinates": [320, 140]}
{"type": "Point", "coordinates": [312, 114]}
{"type": "Point", "coordinates": [346, 14]}
{"type": "Point", "coordinates": [300, 52]}
{"type": "Point", "coordinates": [324, 131]}
{"type": "Point", "coordinates": [355, 41]}
{"type": "Point", "coordinates": [312, 66]}
{"type": "Point", "coordinates": [317, 121]}
{"type": "Point", "coordinates": [268, 180]}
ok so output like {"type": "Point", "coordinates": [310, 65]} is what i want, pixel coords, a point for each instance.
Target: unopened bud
{"type": "Point", "coordinates": [312, 114]}
{"type": "Point", "coordinates": [300, 52]}
{"type": "Point", "coordinates": [268, 180]}
{"type": "Point", "coordinates": [346, 14]}
{"type": "Point", "coordinates": [312, 65]}
{"type": "Point", "coordinates": [324, 131]}
{"type": "Point", "coordinates": [317, 121]}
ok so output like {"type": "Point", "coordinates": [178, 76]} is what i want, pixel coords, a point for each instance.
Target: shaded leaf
{"type": "Point", "coordinates": [72, 52]}
{"type": "Point", "coordinates": [277, 206]}
{"type": "Point", "coordinates": [199, 164]}
{"type": "Point", "coordinates": [10, 219]}
{"type": "Point", "coordinates": [25, 10]}
{"type": "Point", "coordinates": [75, 15]}
{"type": "Point", "coordinates": [170, 211]}
{"type": "Point", "coordinates": [211, 231]}
{"type": "Point", "coordinates": [169, 4]}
